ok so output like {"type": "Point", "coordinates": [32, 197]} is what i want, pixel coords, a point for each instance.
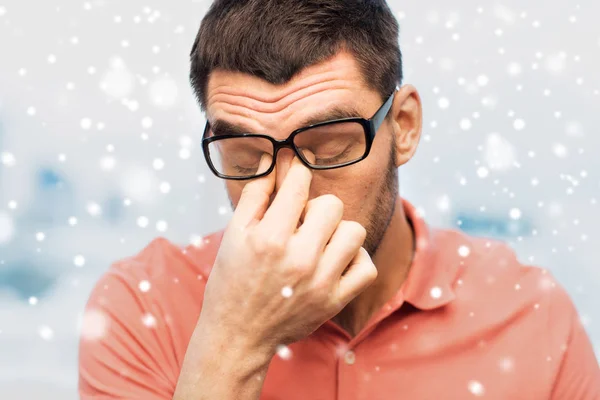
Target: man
{"type": "Point", "coordinates": [325, 284]}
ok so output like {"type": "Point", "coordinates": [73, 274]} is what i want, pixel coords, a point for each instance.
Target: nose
{"type": "Point", "coordinates": [284, 160]}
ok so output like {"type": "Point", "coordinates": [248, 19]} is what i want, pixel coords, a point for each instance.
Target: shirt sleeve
{"type": "Point", "coordinates": [579, 374]}
{"type": "Point", "coordinates": [120, 350]}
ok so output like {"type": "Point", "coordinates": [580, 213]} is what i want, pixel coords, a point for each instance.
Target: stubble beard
{"type": "Point", "coordinates": [385, 204]}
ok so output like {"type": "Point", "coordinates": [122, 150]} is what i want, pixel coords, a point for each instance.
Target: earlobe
{"type": "Point", "coordinates": [407, 123]}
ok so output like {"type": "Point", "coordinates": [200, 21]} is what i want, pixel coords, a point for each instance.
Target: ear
{"type": "Point", "coordinates": [407, 120]}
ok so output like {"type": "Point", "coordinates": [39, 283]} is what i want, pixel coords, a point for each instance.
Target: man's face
{"type": "Point", "coordinates": [368, 188]}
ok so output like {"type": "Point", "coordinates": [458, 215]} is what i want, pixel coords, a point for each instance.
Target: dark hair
{"type": "Point", "coordinates": [276, 39]}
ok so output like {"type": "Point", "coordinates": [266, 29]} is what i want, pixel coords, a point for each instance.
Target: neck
{"type": "Point", "coordinates": [392, 259]}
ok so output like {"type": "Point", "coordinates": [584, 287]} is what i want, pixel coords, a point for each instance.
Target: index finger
{"type": "Point", "coordinates": [284, 213]}
{"type": "Point", "coordinates": [255, 196]}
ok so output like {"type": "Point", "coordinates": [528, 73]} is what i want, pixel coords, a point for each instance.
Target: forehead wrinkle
{"type": "Point", "coordinates": [343, 64]}
{"type": "Point", "coordinates": [256, 102]}
{"type": "Point", "coordinates": [239, 115]}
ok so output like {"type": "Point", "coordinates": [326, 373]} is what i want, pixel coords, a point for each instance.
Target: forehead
{"type": "Point", "coordinates": [250, 100]}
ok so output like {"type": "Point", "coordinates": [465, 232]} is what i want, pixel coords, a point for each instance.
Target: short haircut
{"type": "Point", "coordinates": [276, 39]}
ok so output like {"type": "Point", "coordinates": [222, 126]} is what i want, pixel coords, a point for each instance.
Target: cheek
{"type": "Point", "coordinates": [234, 190]}
{"type": "Point", "coordinates": [357, 186]}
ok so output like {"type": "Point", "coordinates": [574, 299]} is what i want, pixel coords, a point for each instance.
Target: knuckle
{"type": "Point", "coordinates": [275, 245]}
{"type": "Point", "coordinates": [302, 263]}
{"type": "Point", "coordinates": [267, 245]}
{"type": "Point", "coordinates": [247, 190]}
{"type": "Point", "coordinates": [298, 193]}
{"type": "Point", "coordinates": [320, 288]}
{"type": "Point", "coordinates": [250, 192]}
{"type": "Point", "coordinates": [303, 268]}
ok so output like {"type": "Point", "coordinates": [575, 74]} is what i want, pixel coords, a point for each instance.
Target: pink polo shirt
{"type": "Point", "coordinates": [470, 321]}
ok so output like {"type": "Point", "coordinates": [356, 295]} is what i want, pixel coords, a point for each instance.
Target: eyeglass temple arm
{"type": "Point", "coordinates": [382, 112]}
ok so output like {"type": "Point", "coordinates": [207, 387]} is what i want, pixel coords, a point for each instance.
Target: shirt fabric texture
{"type": "Point", "coordinates": [470, 321]}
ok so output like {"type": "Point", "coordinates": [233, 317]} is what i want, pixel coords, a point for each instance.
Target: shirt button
{"type": "Point", "coordinates": [350, 357]}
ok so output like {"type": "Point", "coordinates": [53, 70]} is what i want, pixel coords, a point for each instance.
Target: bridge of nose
{"type": "Point", "coordinates": [284, 160]}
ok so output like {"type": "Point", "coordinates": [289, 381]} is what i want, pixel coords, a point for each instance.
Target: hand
{"type": "Point", "coordinates": [274, 281]}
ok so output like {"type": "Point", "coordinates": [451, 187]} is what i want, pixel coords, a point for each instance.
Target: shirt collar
{"type": "Point", "coordinates": [429, 281]}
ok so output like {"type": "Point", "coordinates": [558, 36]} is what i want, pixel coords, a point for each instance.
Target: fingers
{"type": "Point", "coordinates": [341, 250]}
{"type": "Point", "coordinates": [255, 196]}
{"type": "Point", "coordinates": [361, 273]}
{"type": "Point", "coordinates": [321, 218]}
{"type": "Point", "coordinates": [281, 219]}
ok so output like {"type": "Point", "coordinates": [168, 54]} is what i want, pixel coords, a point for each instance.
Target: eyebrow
{"type": "Point", "coordinates": [222, 127]}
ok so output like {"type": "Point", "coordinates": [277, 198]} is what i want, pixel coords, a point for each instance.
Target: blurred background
{"type": "Point", "coordinates": [100, 134]}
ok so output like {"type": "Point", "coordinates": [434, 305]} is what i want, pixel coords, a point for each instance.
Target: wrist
{"type": "Point", "coordinates": [234, 351]}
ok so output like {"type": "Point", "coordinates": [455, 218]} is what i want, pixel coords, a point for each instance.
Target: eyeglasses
{"type": "Point", "coordinates": [328, 145]}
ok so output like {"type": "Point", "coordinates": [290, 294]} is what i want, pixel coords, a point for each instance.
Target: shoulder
{"type": "Point", "coordinates": [162, 259]}
{"type": "Point", "coordinates": [517, 308]}
{"type": "Point", "coordinates": [161, 275]}
{"type": "Point", "coordinates": [489, 273]}
{"type": "Point", "coordinates": [140, 315]}
{"type": "Point", "coordinates": [490, 261]}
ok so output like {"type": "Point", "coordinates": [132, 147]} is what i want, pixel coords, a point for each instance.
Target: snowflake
{"type": "Point", "coordinates": [144, 286]}
{"type": "Point", "coordinates": [94, 209]}
{"type": "Point", "coordinates": [8, 159]}
{"type": "Point", "coordinates": [506, 364]}
{"type": "Point", "coordinates": [476, 388]}
{"type": "Point", "coordinates": [287, 291]}
{"type": "Point", "coordinates": [184, 153]}
{"type": "Point", "coordinates": [147, 122]}
{"type": "Point", "coordinates": [482, 80]}
{"type": "Point", "coordinates": [93, 325]}
{"type": "Point", "coordinates": [482, 172]}
{"type": "Point", "coordinates": [435, 292]}
{"type": "Point", "coordinates": [142, 221]}
{"type": "Point", "coordinates": [499, 153]}
{"type": "Point", "coordinates": [560, 150]}
{"type": "Point", "coordinates": [519, 124]}
{"type": "Point", "coordinates": [79, 260]}
{"type": "Point", "coordinates": [515, 213]}
{"type": "Point", "coordinates": [165, 187]}
{"type": "Point", "coordinates": [161, 226]}
{"type": "Point", "coordinates": [149, 320]}
{"type": "Point", "coordinates": [158, 164]}
{"type": "Point", "coordinates": [284, 352]}
{"type": "Point", "coordinates": [46, 332]}
{"type": "Point", "coordinates": [443, 103]}
{"type": "Point", "coordinates": [223, 210]}
{"type": "Point", "coordinates": [464, 251]}
{"type": "Point", "coordinates": [443, 203]}
{"type": "Point", "coordinates": [107, 163]}
{"type": "Point", "coordinates": [465, 124]}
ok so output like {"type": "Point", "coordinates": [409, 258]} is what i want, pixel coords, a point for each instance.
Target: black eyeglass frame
{"type": "Point", "coordinates": [370, 127]}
